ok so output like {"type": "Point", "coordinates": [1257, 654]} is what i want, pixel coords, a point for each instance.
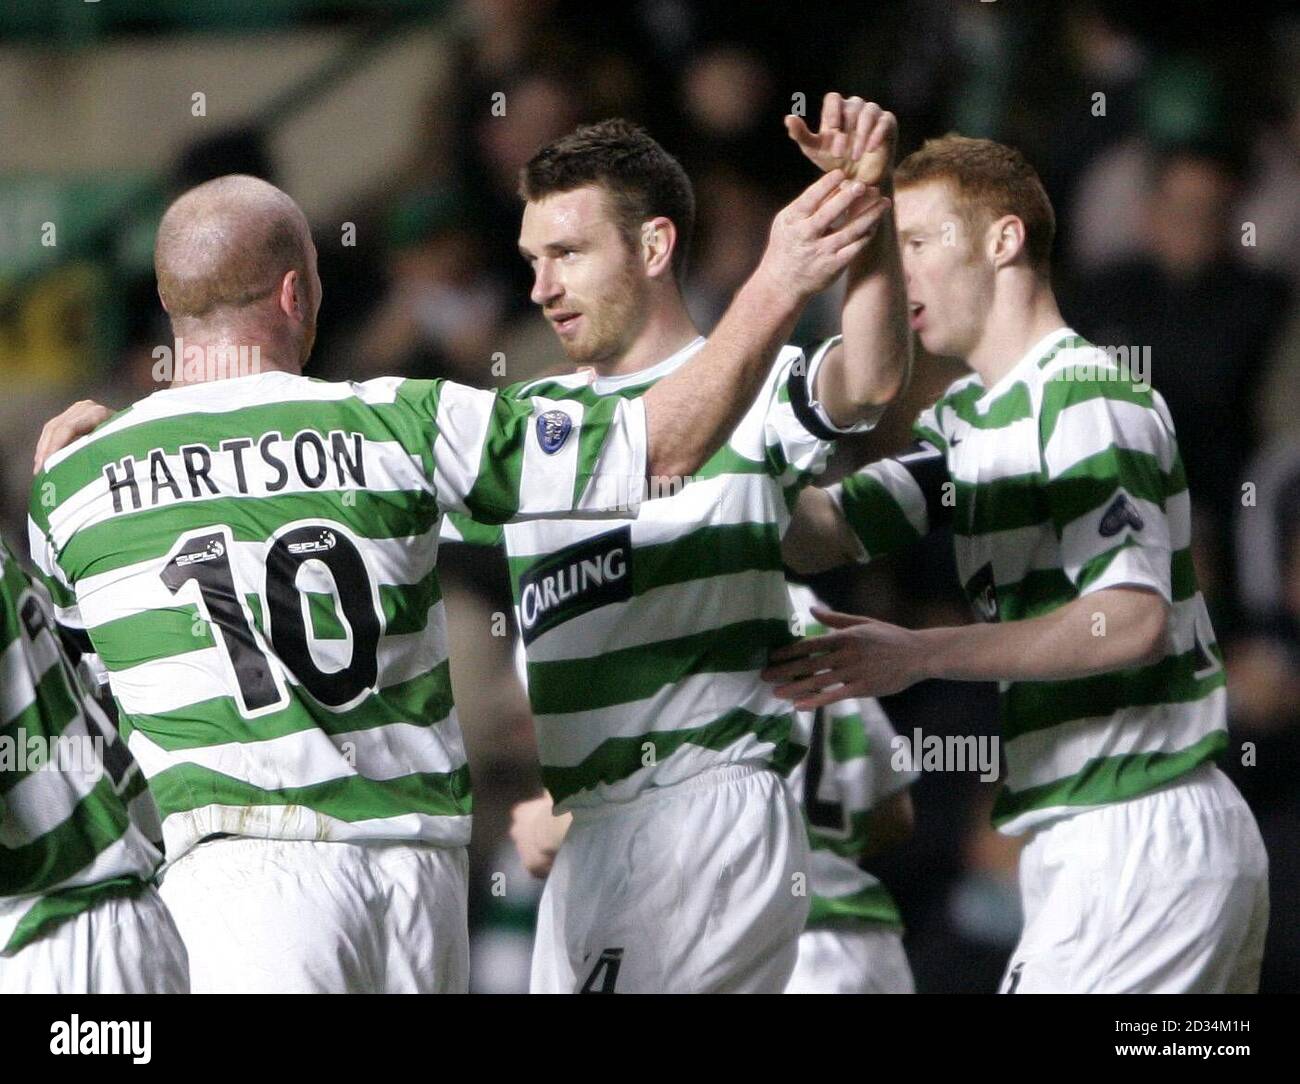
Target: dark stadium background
{"type": "Point", "coordinates": [1168, 137]}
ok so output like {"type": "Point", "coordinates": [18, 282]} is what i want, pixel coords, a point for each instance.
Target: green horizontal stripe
{"type": "Point", "coordinates": [1029, 706]}
{"type": "Point", "coordinates": [96, 822]}
{"type": "Point", "coordinates": [406, 606]}
{"type": "Point", "coordinates": [875, 516]}
{"type": "Point", "coordinates": [1109, 779]}
{"type": "Point", "coordinates": [1091, 483]}
{"type": "Point", "coordinates": [635, 673]}
{"type": "Point", "coordinates": [1095, 567]}
{"type": "Point", "coordinates": [400, 422]}
{"type": "Point", "coordinates": [187, 787]}
{"type": "Point", "coordinates": [1046, 589]}
{"type": "Point", "coordinates": [1070, 342]}
{"type": "Point", "coordinates": [423, 700]}
{"type": "Point", "coordinates": [150, 636]}
{"type": "Point", "coordinates": [702, 554]}
{"type": "Point", "coordinates": [1063, 391]}
{"type": "Point", "coordinates": [616, 759]}
{"type": "Point", "coordinates": [1011, 406]}
{"type": "Point", "coordinates": [473, 533]}
{"type": "Point", "coordinates": [150, 533]}
{"type": "Point", "coordinates": [871, 904]}
{"type": "Point", "coordinates": [726, 460]}
{"type": "Point", "coordinates": [1002, 504]}
{"type": "Point", "coordinates": [50, 912]}
{"type": "Point", "coordinates": [46, 717]}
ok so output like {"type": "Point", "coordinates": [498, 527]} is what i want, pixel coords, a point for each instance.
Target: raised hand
{"type": "Point", "coordinates": [814, 238]}
{"type": "Point", "coordinates": [855, 136]}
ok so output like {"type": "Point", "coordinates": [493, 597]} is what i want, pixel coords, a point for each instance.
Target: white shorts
{"type": "Point", "coordinates": [122, 945]}
{"type": "Point", "coordinates": [866, 958]}
{"type": "Point", "coordinates": [1166, 893]}
{"type": "Point", "coordinates": [693, 888]}
{"type": "Point", "coordinates": [299, 916]}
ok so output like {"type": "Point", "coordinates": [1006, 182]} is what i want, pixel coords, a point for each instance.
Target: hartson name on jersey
{"type": "Point", "coordinates": [239, 466]}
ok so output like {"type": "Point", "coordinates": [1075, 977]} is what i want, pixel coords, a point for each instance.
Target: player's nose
{"type": "Point", "coordinates": [546, 287]}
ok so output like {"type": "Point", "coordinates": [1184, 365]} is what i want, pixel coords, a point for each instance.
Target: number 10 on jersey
{"type": "Point", "coordinates": [261, 664]}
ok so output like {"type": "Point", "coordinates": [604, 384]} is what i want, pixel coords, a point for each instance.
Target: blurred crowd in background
{"type": "Point", "coordinates": [1169, 143]}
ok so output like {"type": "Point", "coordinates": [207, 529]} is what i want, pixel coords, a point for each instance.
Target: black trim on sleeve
{"type": "Point", "coordinates": [929, 470]}
{"type": "Point", "coordinates": [801, 403]}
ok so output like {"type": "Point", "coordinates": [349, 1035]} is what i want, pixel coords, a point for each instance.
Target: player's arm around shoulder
{"type": "Point", "coordinates": [881, 508]}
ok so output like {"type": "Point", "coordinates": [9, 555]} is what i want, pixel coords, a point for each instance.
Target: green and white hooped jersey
{"type": "Point", "coordinates": [1061, 480]}
{"type": "Point", "coordinates": [67, 784]}
{"type": "Point", "coordinates": [850, 769]}
{"type": "Point", "coordinates": [253, 561]}
{"type": "Point", "coordinates": [645, 638]}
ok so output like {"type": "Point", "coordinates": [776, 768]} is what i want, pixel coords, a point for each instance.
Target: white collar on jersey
{"type": "Point", "coordinates": [1030, 358]}
{"type": "Point", "coordinates": [604, 384]}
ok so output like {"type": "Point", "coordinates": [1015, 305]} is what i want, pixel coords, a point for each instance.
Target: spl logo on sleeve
{"type": "Point", "coordinates": [553, 429]}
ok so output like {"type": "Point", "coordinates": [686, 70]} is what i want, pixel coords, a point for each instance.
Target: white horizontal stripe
{"type": "Point", "coordinates": [1082, 539]}
{"type": "Point", "coordinates": [386, 467]}
{"type": "Point", "coordinates": [309, 757]}
{"type": "Point", "coordinates": [1080, 359]}
{"type": "Point", "coordinates": [900, 485]}
{"type": "Point", "coordinates": [137, 588]}
{"type": "Point", "coordinates": [566, 739]}
{"type": "Point", "coordinates": [163, 685]}
{"type": "Point", "coordinates": [985, 455]}
{"type": "Point", "coordinates": [687, 762]}
{"type": "Point", "coordinates": [767, 418]}
{"type": "Point", "coordinates": [44, 799]}
{"type": "Point", "coordinates": [663, 613]}
{"type": "Point", "coordinates": [465, 417]}
{"type": "Point", "coordinates": [131, 854]}
{"type": "Point", "coordinates": [724, 500]}
{"type": "Point", "coordinates": [1060, 751]}
{"type": "Point", "coordinates": [224, 396]}
{"type": "Point", "coordinates": [182, 830]}
{"type": "Point", "coordinates": [547, 479]}
{"type": "Point", "coordinates": [1094, 425]}
{"type": "Point", "coordinates": [619, 474]}
{"type": "Point", "coordinates": [22, 666]}
{"type": "Point", "coordinates": [1013, 553]}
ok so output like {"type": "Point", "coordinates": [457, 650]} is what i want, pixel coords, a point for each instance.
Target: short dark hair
{"type": "Point", "coordinates": [990, 180]}
{"type": "Point", "coordinates": [643, 180]}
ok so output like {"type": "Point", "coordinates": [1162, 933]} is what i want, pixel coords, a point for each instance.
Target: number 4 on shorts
{"type": "Point", "coordinates": [605, 973]}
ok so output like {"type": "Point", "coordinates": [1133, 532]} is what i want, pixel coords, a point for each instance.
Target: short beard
{"type": "Point", "coordinates": [622, 316]}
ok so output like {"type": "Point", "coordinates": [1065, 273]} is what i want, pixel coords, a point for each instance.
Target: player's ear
{"type": "Point", "coordinates": [1006, 240]}
{"type": "Point", "coordinates": [291, 298]}
{"type": "Point", "coordinates": [658, 242]}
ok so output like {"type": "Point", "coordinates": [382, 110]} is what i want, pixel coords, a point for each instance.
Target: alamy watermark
{"type": "Point", "coordinates": [74, 754]}
{"type": "Point", "coordinates": [1123, 364]}
{"type": "Point", "coordinates": [190, 363]}
{"type": "Point", "coordinates": [947, 753]}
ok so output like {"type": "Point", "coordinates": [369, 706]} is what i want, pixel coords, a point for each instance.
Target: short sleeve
{"type": "Point", "coordinates": [499, 459]}
{"type": "Point", "coordinates": [1108, 463]}
{"type": "Point", "coordinates": [893, 503]}
{"type": "Point", "coordinates": [67, 610]}
{"type": "Point", "coordinates": [798, 432]}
